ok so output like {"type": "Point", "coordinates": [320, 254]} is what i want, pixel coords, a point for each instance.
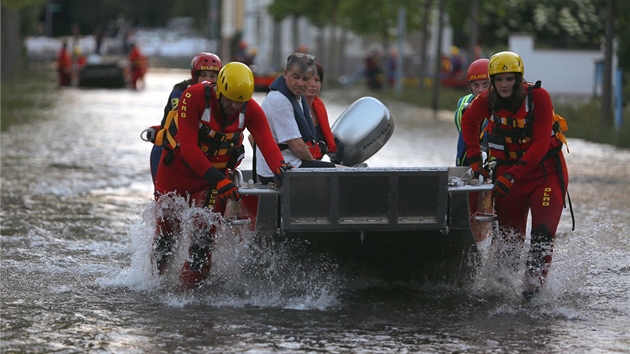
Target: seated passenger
{"type": "Point", "coordinates": [318, 111]}
{"type": "Point", "coordinates": [289, 118]}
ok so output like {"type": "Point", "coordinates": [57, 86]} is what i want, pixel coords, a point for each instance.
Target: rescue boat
{"type": "Point", "coordinates": [103, 73]}
{"type": "Point", "coordinates": [390, 223]}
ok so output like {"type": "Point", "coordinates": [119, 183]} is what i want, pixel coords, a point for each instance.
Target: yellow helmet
{"type": "Point", "coordinates": [236, 82]}
{"type": "Point", "coordinates": [505, 62]}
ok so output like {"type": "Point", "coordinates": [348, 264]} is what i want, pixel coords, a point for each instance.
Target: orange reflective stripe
{"type": "Point", "coordinates": [219, 165]}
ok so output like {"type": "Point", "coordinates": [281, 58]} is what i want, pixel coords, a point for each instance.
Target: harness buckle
{"type": "Point", "coordinates": [148, 135]}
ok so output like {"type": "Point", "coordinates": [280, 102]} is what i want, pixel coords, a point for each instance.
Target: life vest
{"type": "Point", "coordinates": [462, 155]}
{"type": "Point", "coordinates": [224, 150]}
{"type": "Point", "coordinates": [324, 125]}
{"type": "Point", "coordinates": [302, 118]}
{"type": "Point", "coordinates": [510, 137]}
{"type": "Point", "coordinates": [173, 99]}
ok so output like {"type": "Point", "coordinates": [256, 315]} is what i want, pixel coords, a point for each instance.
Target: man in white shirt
{"type": "Point", "coordinates": [289, 118]}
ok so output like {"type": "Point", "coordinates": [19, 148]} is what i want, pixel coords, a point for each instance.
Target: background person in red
{"type": "Point", "coordinates": [64, 66]}
{"type": "Point", "coordinates": [531, 174]}
{"type": "Point", "coordinates": [138, 65]}
{"type": "Point", "coordinates": [210, 141]}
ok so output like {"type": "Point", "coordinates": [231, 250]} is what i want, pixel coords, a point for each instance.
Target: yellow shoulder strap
{"type": "Point", "coordinates": [164, 132]}
{"type": "Point", "coordinates": [173, 120]}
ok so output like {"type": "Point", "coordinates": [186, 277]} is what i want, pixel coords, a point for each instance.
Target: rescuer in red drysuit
{"type": "Point", "coordinates": [138, 66]}
{"type": "Point", "coordinates": [203, 67]}
{"type": "Point", "coordinates": [531, 173]}
{"type": "Point", "coordinates": [64, 66]}
{"type": "Point", "coordinates": [209, 137]}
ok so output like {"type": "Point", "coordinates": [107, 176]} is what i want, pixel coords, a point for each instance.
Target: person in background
{"type": "Point", "coordinates": [78, 63]}
{"type": "Point", "coordinates": [138, 66]}
{"type": "Point", "coordinates": [456, 61]}
{"type": "Point", "coordinates": [64, 66]}
{"type": "Point", "coordinates": [531, 174]}
{"type": "Point", "coordinates": [252, 52]}
{"type": "Point", "coordinates": [302, 48]}
{"type": "Point", "coordinates": [290, 120]}
{"type": "Point", "coordinates": [243, 55]}
{"type": "Point", "coordinates": [390, 66]}
{"type": "Point", "coordinates": [373, 71]}
{"type": "Point", "coordinates": [203, 67]}
{"type": "Point", "coordinates": [318, 112]}
{"type": "Point", "coordinates": [212, 119]}
{"type": "Point", "coordinates": [478, 82]}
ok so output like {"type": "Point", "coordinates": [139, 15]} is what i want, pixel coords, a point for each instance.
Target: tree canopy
{"type": "Point", "coordinates": [564, 23]}
{"type": "Point", "coordinates": [556, 23]}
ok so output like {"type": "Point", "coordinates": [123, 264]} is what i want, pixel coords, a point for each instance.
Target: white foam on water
{"type": "Point", "coordinates": [247, 269]}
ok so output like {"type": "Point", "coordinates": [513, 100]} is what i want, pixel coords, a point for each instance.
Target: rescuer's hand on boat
{"type": "Point", "coordinates": [279, 172]}
{"type": "Point", "coordinates": [477, 166]}
{"type": "Point", "coordinates": [226, 189]}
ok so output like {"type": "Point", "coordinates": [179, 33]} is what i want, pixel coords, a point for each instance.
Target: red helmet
{"type": "Point", "coordinates": [478, 70]}
{"type": "Point", "coordinates": [205, 61]}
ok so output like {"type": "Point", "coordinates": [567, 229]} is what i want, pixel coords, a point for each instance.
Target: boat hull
{"type": "Point", "coordinates": [106, 75]}
{"type": "Point", "coordinates": [394, 224]}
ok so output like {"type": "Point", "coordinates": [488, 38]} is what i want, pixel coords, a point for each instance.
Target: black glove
{"type": "Point", "coordinates": [278, 174]}
{"type": "Point", "coordinates": [221, 187]}
{"type": "Point", "coordinates": [503, 185]}
{"type": "Point", "coordinates": [213, 176]}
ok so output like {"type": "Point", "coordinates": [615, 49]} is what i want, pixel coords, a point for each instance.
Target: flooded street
{"type": "Point", "coordinates": [74, 272]}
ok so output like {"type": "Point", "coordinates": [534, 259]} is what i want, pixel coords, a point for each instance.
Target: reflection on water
{"type": "Point", "coordinates": [75, 273]}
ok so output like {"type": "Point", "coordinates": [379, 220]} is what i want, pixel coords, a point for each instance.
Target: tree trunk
{"type": "Point", "coordinates": [437, 82]}
{"type": "Point", "coordinates": [607, 111]}
{"type": "Point", "coordinates": [276, 48]}
{"type": "Point", "coordinates": [333, 49]}
{"type": "Point", "coordinates": [11, 41]}
{"type": "Point", "coordinates": [425, 39]}
{"type": "Point", "coordinates": [295, 25]}
{"type": "Point", "coordinates": [474, 30]}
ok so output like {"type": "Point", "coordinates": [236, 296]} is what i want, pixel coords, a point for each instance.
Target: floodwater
{"type": "Point", "coordinates": [75, 269]}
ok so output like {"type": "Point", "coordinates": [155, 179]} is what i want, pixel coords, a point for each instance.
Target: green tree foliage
{"type": "Point", "coordinates": [379, 18]}
{"type": "Point", "coordinates": [92, 14]}
{"type": "Point", "coordinates": [363, 17]}
{"type": "Point", "coordinates": [557, 23]}
{"type": "Point", "coordinates": [197, 9]}
{"type": "Point", "coordinates": [28, 11]}
{"type": "Point", "coordinates": [623, 34]}
{"type": "Point", "coordinates": [281, 9]}
{"type": "Point", "coordinates": [20, 4]}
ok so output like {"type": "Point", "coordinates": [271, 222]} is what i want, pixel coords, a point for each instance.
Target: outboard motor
{"type": "Point", "coordinates": [363, 129]}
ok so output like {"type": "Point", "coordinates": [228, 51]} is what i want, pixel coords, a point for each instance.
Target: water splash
{"type": "Point", "coordinates": [248, 269]}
